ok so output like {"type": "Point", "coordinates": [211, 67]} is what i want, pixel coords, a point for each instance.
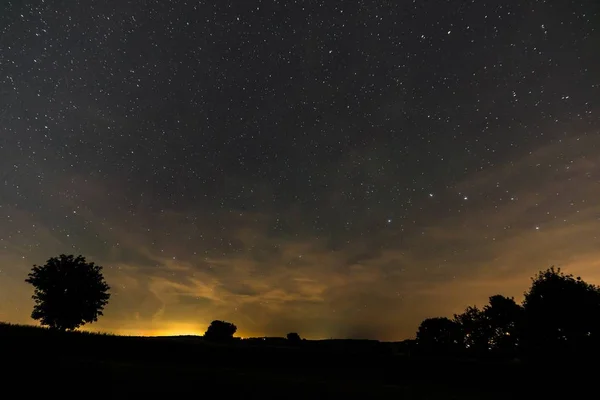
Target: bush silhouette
{"type": "Point", "coordinates": [293, 337]}
{"type": "Point", "coordinates": [68, 292]}
{"type": "Point", "coordinates": [220, 331]}
{"type": "Point", "coordinates": [562, 313]}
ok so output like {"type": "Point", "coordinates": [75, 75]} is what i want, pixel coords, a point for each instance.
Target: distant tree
{"type": "Point", "coordinates": [293, 337]}
{"type": "Point", "coordinates": [439, 335]}
{"type": "Point", "coordinates": [561, 314]}
{"type": "Point", "coordinates": [220, 331]}
{"type": "Point", "coordinates": [68, 292]}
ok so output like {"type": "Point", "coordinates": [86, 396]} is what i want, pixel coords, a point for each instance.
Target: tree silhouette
{"type": "Point", "coordinates": [220, 331]}
{"type": "Point", "coordinates": [562, 314]}
{"type": "Point", "coordinates": [68, 292]}
{"type": "Point", "coordinates": [474, 329]}
{"type": "Point", "coordinates": [293, 337]}
{"type": "Point", "coordinates": [439, 335]}
{"type": "Point", "coordinates": [504, 317]}
{"type": "Point", "coordinates": [495, 328]}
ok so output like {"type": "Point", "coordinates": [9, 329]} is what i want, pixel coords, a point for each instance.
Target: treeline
{"type": "Point", "coordinates": [559, 316]}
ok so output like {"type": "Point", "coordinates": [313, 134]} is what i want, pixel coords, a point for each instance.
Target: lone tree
{"type": "Point", "coordinates": [68, 292]}
{"type": "Point", "coordinates": [219, 331]}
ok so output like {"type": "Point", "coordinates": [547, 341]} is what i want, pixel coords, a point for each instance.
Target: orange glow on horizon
{"type": "Point", "coordinates": [170, 329]}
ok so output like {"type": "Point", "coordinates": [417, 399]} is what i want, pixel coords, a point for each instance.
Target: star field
{"type": "Point", "coordinates": [340, 169]}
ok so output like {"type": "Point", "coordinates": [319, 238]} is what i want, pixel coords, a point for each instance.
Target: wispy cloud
{"type": "Point", "coordinates": [179, 270]}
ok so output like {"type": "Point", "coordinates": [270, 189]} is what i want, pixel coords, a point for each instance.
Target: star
{"type": "Point", "coordinates": [221, 157]}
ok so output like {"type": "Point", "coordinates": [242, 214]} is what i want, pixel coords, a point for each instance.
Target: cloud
{"type": "Point", "coordinates": [175, 271]}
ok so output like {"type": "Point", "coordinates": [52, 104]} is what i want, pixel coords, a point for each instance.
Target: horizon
{"type": "Point", "coordinates": [345, 169]}
{"type": "Point", "coordinates": [175, 334]}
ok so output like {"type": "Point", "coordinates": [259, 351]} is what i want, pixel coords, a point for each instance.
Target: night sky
{"type": "Point", "coordinates": [335, 168]}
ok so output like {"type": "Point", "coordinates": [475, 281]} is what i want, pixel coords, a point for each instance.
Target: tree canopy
{"type": "Point", "coordinates": [561, 312]}
{"type": "Point", "coordinates": [68, 292]}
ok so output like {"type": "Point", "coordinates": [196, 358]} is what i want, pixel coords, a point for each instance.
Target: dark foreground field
{"type": "Point", "coordinates": [101, 366]}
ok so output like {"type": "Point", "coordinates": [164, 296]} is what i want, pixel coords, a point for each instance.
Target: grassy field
{"type": "Point", "coordinates": [113, 366]}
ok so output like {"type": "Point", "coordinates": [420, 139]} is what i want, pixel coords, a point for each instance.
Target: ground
{"type": "Point", "coordinates": [114, 366]}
